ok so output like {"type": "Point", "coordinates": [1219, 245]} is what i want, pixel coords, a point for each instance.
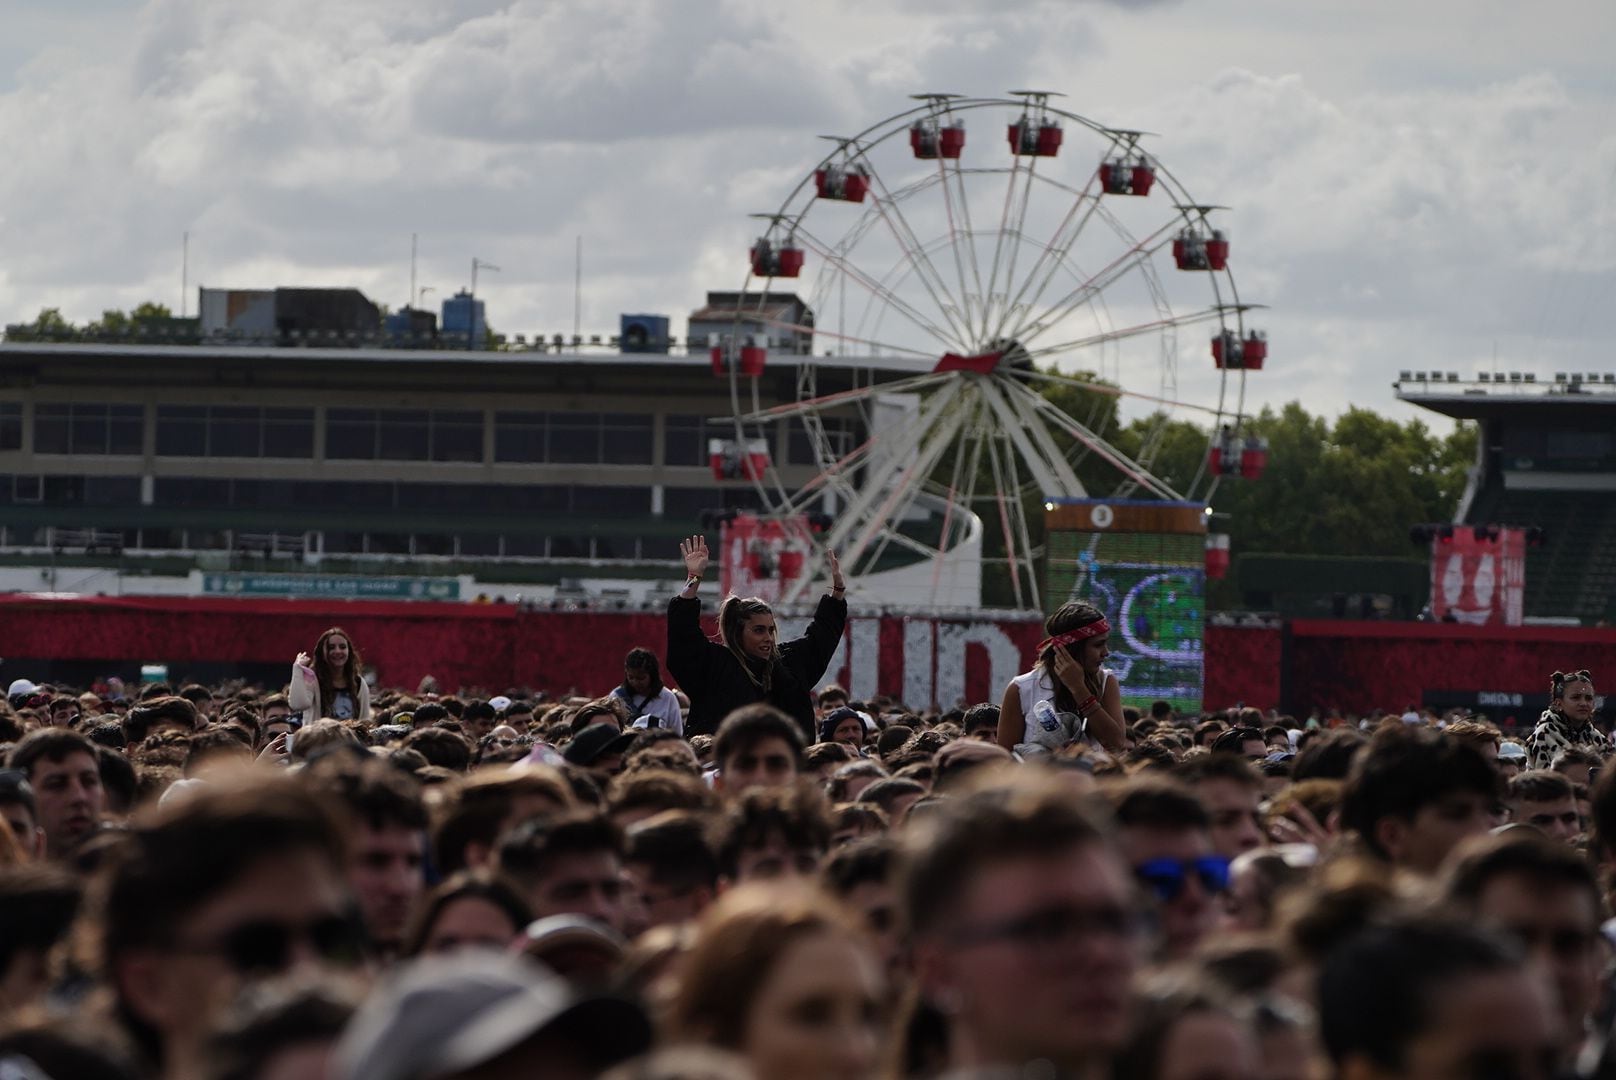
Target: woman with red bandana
{"type": "Point", "coordinates": [1067, 694]}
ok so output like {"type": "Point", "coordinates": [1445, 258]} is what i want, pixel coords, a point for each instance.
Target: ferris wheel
{"type": "Point", "coordinates": [972, 281]}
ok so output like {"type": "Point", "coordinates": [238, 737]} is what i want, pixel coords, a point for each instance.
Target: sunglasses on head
{"type": "Point", "coordinates": [266, 946]}
{"type": "Point", "coordinates": [1166, 878]}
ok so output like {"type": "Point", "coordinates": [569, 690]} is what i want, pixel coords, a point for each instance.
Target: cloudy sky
{"type": "Point", "coordinates": [1409, 186]}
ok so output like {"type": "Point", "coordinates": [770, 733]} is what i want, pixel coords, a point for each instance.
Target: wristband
{"type": "Point", "coordinates": [1083, 709]}
{"type": "Point", "coordinates": [692, 581]}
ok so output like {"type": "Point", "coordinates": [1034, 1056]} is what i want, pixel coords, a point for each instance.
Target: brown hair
{"type": "Point", "coordinates": [323, 673]}
{"type": "Point", "coordinates": [738, 943]}
{"type": "Point", "coordinates": [732, 616]}
{"type": "Point", "coordinates": [475, 885]}
{"type": "Point", "coordinates": [1068, 617]}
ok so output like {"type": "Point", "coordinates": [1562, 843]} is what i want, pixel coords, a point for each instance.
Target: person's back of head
{"type": "Point", "coordinates": [371, 792]}
{"type": "Point", "coordinates": [1328, 756]}
{"type": "Point", "coordinates": [428, 714]}
{"type": "Point", "coordinates": [1235, 740]}
{"type": "Point", "coordinates": [438, 745]}
{"type": "Point", "coordinates": [871, 861]}
{"type": "Point", "coordinates": [889, 792]}
{"type": "Point", "coordinates": [158, 712]}
{"type": "Point", "coordinates": [893, 739]}
{"type": "Point", "coordinates": [648, 792]}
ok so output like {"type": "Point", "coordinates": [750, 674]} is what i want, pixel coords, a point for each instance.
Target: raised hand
{"type": "Point", "coordinates": [303, 660]}
{"type": "Point", "coordinates": [835, 571]}
{"type": "Point", "coordinates": [695, 555]}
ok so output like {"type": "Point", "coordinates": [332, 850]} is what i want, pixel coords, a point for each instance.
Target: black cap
{"type": "Point", "coordinates": [595, 740]}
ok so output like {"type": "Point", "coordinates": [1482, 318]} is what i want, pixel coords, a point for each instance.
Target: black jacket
{"type": "Point", "coordinates": [711, 675]}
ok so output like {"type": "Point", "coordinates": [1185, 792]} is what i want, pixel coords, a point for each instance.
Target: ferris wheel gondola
{"type": "Point", "coordinates": [1071, 262]}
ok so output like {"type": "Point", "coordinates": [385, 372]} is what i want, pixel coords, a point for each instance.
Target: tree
{"type": "Point", "coordinates": [48, 325]}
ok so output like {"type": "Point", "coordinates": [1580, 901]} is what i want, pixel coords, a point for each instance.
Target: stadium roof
{"type": "Point", "coordinates": [1590, 396]}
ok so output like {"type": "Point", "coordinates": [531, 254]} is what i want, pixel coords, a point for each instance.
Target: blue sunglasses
{"type": "Point", "coordinates": [1166, 877]}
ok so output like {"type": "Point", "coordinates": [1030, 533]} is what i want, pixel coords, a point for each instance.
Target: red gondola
{"type": "Point", "coordinates": [845, 183]}
{"type": "Point", "coordinates": [931, 140]}
{"type": "Point", "coordinates": [769, 260]}
{"type": "Point", "coordinates": [1195, 250]}
{"type": "Point", "coordinates": [1217, 555]}
{"type": "Point", "coordinates": [749, 359]}
{"type": "Point", "coordinates": [1255, 350]}
{"type": "Point", "coordinates": [730, 462]}
{"type": "Point", "coordinates": [1133, 176]}
{"type": "Point", "coordinates": [1041, 139]}
{"type": "Point", "coordinates": [1253, 457]}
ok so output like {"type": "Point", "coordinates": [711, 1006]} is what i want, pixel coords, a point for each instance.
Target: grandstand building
{"type": "Point", "coordinates": [1546, 458]}
{"type": "Point", "coordinates": [303, 450]}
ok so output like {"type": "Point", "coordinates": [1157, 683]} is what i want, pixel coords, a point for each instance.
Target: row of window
{"type": "Point", "coordinates": [507, 546]}
{"type": "Point", "coordinates": [353, 434]}
{"type": "Point", "coordinates": [294, 497]}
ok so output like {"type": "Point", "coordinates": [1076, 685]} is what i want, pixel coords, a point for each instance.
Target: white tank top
{"type": "Point", "coordinates": [1036, 686]}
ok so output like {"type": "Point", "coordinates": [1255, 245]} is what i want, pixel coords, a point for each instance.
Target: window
{"type": "Point", "coordinates": [626, 439]}
{"type": "Point", "coordinates": [403, 435]}
{"type": "Point", "coordinates": [519, 436]}
{"type": "Point", "coordinates": [234, 431]}
{"type": "Point", "coordinates": [350, 434]}
{"type": "Point", "coordinates": [10, 425]}
{"type": "Point", "coordinates": [87, 428]}
{"type": "Point", "coordinates": [575, 438]}
{"type": "Point", "coordinates": [182, 430]}
{"type": "Point", "coordinates": [684, 440]}
{"type": "Point", "coordinates": [457, 435]}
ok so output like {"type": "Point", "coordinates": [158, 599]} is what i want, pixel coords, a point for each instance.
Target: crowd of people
{"type": "Point", "coordinates": [741, 872]}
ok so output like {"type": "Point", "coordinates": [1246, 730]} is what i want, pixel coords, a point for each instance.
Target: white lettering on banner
{"type": "Point", "coordinates": [1004, 659]}
{"type": "Point", "coordinates": [918, 645]}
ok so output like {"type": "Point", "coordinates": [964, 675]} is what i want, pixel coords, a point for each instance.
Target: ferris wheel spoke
{"type": "Point", "coordinates": [1138, 330]}
{"type": "Point", "coordinates": [1115, 391]}
{"type": "Point", "coordinates": [999, 485]}
{"type": "Point", "coordinates": [1054, 254]}
{"type": "Point", "coordinates": [1135, 256]}
{"type": "Point", "coordinates": [845, 397]}
{"type": "Point", "coordinates": [1097, 445]}
{"type": "Point", "coordinates": [896, 303]}
{"type": "Point", "coordinates": [910, 244]}
{"type": "Point", "coordinates": [1053, 474]}
{"type": "Point", "coordinates": [953, 241]}
{"type": "Point", "coordinates": [911, 457]}
{"type": "Point", "coordinates": [999, 239]}
{"type": "Point", "coordinates": [1016, 233]}
{"type": "Point", "coordinates": [1018, 515]}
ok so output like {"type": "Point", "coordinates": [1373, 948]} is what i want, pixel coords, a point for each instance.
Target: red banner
{"type": "Point", "coordinates": [494, 647]}
{"type": "Point", "coordinates": [1479, 580]}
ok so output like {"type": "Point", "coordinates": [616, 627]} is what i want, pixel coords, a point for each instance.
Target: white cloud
{"type": "Point", "coordinates": [1399, 201]}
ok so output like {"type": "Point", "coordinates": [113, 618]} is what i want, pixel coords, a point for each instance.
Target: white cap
{"type": "Point", "coordinates": [21, 686]}
{"type": "Point", "coordinates": [500, 703]}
